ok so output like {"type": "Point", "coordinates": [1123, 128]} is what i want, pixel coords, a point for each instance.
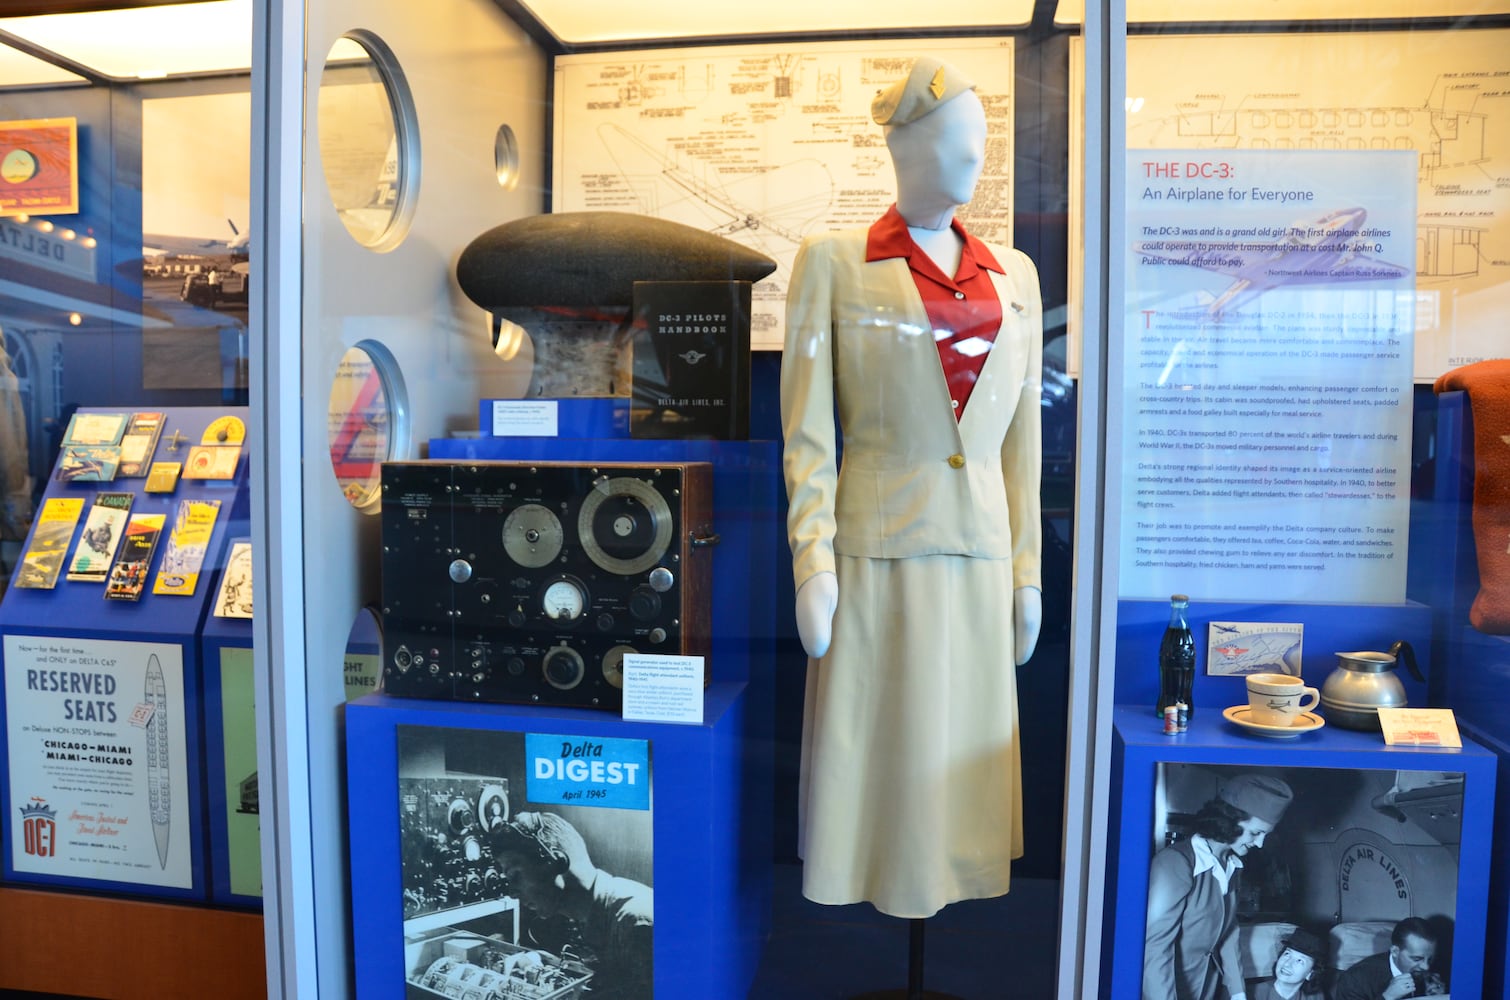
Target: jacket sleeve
{"type": "Point", "coordinates": [807, 413]}
{"type": "Point", "coordinates": [1022, 448]}
{"type": "Point", "coordinates": [1169, 882]}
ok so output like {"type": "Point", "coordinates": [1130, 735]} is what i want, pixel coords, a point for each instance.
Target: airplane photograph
{"type": "Point", "coordinates": [1330, 250]}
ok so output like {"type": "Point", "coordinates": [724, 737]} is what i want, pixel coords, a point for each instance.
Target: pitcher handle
{"type": "Point", "coordinates": [1409, 654]}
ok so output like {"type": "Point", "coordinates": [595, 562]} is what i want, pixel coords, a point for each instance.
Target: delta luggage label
{"type": "Point", "coordinates": [609, 773]}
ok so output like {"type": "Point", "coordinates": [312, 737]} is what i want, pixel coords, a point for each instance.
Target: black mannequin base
{"type": "Point", "coordinates": [914, 990]}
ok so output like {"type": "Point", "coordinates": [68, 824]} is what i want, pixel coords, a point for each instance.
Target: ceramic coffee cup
{"type": "Point", "coordinates": [1278, 699]}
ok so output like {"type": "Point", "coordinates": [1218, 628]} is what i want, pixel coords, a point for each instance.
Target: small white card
{"type": "Point", "coordinates": [1419, 727]}
{"type": "Point", "coordinates": [525, 417]}
{"type": "Point", "coordinates": [1236, 649]}
{"type": "Point", "coordinates": [663, 688]}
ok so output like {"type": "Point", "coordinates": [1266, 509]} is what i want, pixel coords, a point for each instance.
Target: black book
{"type": "Point", "coordinates": [691, 360]}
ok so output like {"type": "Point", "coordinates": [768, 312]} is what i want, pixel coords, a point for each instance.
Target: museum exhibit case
{"type": "Point", "coordinates": [535, 316]}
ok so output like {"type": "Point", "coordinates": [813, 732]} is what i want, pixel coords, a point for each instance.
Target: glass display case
{"type": "Point", "coordinates": [437, 254]}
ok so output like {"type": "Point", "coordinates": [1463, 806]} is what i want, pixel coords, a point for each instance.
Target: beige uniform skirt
{"type": "Point", "coordinates": [910, 794]}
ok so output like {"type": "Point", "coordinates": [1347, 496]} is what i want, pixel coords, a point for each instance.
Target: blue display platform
{"type": "Point", "coordinates": [1374, 833]}
{"type": "Point", "coordinates": [126, 792]}
{"type": "Point", "coordinates": [1329, 630]}
{"type": "Point", "coordinates": [710, 840]}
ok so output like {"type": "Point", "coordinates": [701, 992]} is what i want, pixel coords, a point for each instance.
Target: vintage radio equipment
{"type": "Point", "coordinates": [529, 582]}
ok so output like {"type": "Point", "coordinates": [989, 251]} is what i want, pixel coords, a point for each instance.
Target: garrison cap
{"type": "Point", "coordinates": [1260, 795]}
{"type": "Point", "coordinates": [929, 85]}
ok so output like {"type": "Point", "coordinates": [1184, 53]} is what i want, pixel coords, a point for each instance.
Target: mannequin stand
{"type": "Point", "coordinates": [914, 990]}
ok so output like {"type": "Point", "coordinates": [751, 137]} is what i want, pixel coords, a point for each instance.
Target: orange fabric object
{"type": "Point", "coordinates": [1488, 386]}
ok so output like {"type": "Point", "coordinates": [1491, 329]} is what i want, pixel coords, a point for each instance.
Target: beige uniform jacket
{"type": "Point", "coordinates": [915, 481]}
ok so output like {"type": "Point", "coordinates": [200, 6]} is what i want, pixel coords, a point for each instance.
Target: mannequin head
{"type": "Point", "coordinates": [936, 132]}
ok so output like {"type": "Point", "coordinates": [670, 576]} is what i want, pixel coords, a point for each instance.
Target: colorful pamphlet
{"type": "Point", "coordinates": [88, 463]}
{"type": "Point", "coordinates": [95, 429]}
{"type": "Point", "coordinates": [212, 462]}
{"type": "Point", "coordinates": [49, 543]}
{"type": "Point", "coordinates": [235, 597]}
{"type": "Point", "coordinates": [187, 544]}
{"type": "Point", "coordinates": [138, 443]}
{"type": "Point", "coordinates": [164, 477]}
{"type": "Point", "coordinates": [1419, 727]}
{"type": "Point", "coordinates": [129, 574]}
{"type": "Point", "coordinates": [102, 533]}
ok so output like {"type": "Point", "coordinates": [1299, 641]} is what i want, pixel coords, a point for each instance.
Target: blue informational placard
{"type": "Point", "coordinates": [607, 773]}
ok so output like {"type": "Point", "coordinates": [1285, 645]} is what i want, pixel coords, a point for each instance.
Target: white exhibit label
{"type": "Point", "coordinates": [98, 760]}
{"type": "Point", "coordinates": [663, 688]}
{"type": "Point", "coordinates": [1267, 375]}
{"type": "Point", "coordinates": [524, 418]}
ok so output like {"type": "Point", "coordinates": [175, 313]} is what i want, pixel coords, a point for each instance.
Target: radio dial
{"type": "Point", "coordinates": [644, 603]}
{"type": "Point", "coordinates": [661, 580]}
{"type": "Point", "coordinates": [563, 668]}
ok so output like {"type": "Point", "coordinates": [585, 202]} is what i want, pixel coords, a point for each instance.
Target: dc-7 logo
{"type": "Point", "coordinates": [692, 357]}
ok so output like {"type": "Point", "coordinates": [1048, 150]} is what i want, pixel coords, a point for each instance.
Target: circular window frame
{"type": "Point", "coordinates": [406, 141]}
{"type": "Point", "coordinates": [396, 397]}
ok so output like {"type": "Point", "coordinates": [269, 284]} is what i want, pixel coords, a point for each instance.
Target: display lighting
{"type": "Point", "coordinates": [74, 319]}
{"type": "Point", "coordinates": [89, 242]}
{"type": "Point", "coordinates": [45, 225]}
{"type": "Point", "coordinates": [68, 234]}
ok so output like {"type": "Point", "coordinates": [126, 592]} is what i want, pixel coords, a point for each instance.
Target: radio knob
{"type": "Point", "coordinates": [661, 580]}
{"type": "Point", "coordinates": [657, 635]}
{"type": "Point", "coordinates": [516, 618]}
{"type": "Point", "coordinates": [515, 666]}
{"type": "Point", "coordinates": [461, 571]}
{"type": "Point", "coordinates": [563, 668]}
{"type": "Point", "coordinates": [644, 603]}
{"type": "Point", "coordinates": [605, 622]}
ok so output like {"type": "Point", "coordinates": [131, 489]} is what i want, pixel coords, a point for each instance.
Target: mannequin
{"type": "Point", "coordinates": [917, 565]}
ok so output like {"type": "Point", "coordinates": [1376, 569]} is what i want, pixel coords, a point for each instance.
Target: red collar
{"type": "Point", "coordinates": [888, 237]}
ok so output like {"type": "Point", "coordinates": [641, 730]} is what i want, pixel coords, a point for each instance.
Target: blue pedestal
{"type": "Point", "coordinates": [1337, 819]}
{"type": "Point", "coordinates": [709, 818]}
{"type": "Point", "coordinates": [104, 795]}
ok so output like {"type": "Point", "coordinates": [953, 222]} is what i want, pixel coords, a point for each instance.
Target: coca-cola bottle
{"type": "Point", "coordinates": [1177, 659]}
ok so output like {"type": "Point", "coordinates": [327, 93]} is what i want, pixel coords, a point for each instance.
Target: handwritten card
{"type": "Point", "coordinates": [1419, 727]}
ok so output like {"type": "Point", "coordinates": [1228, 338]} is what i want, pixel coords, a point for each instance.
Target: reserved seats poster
{"type": "Point", "coordinates": [99, 781]}
{"type": "Point", "coordinates": [1267, 376]}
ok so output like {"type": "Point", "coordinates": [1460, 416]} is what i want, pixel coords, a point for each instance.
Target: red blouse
{"type": "Point", "coordinates": [964, 311]}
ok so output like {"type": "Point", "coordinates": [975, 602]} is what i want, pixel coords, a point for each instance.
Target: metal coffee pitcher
{"type": "Point", "coordinates": [1365, 682]}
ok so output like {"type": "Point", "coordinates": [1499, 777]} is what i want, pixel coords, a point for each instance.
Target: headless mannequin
{"type": "Point", "coordinates": [937, 159]}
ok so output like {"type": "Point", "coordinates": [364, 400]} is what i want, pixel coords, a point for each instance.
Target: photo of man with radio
{"type": "Point", "coordinates": [532, 899]}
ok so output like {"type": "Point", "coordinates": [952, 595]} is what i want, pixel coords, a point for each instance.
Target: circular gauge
{"type": "Point", "coordinates": [563, 667]}
{"type": "Point", "coordinates": [493, 806]}
{"type": "Point", "coordinates": [532, 535]}
{"type": "Point", "coordinates": [224, 430]}
{"type": "Point", "coordinates": [613, 664]}
{"type": "Point", "coordinates": [471, 849]}
{"type": "Point", "coordinates": [625, 525]}
{"type": "Point", "coordinates": [564, 600]}
{"type": "Point", "coordinates": [20, 166]}
{"type": "Point", "coordinates": [460, 816]}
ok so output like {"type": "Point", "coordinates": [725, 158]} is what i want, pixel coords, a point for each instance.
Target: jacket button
{"type": "Point", "coordinates": [956, 461]}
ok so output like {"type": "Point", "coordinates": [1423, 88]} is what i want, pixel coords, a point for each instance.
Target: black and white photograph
{"type": "Point", "coordinates": [548, 898]}
{"type": "Point", "coordinates": [1301, 882]}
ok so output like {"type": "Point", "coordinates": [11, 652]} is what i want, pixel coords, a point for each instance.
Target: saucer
{"type": "Point", "coordinates": [1305, 722]}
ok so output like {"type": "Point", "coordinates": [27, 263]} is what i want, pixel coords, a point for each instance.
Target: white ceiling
{"type": "Point", "coordinates": [1238, 11]}
{"type": "Point", "coordinates": [581, 22]}
{"type": "Point", "coordinates": [142, 42]}
{"type": "Point", "coordinates": [216, 36]}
